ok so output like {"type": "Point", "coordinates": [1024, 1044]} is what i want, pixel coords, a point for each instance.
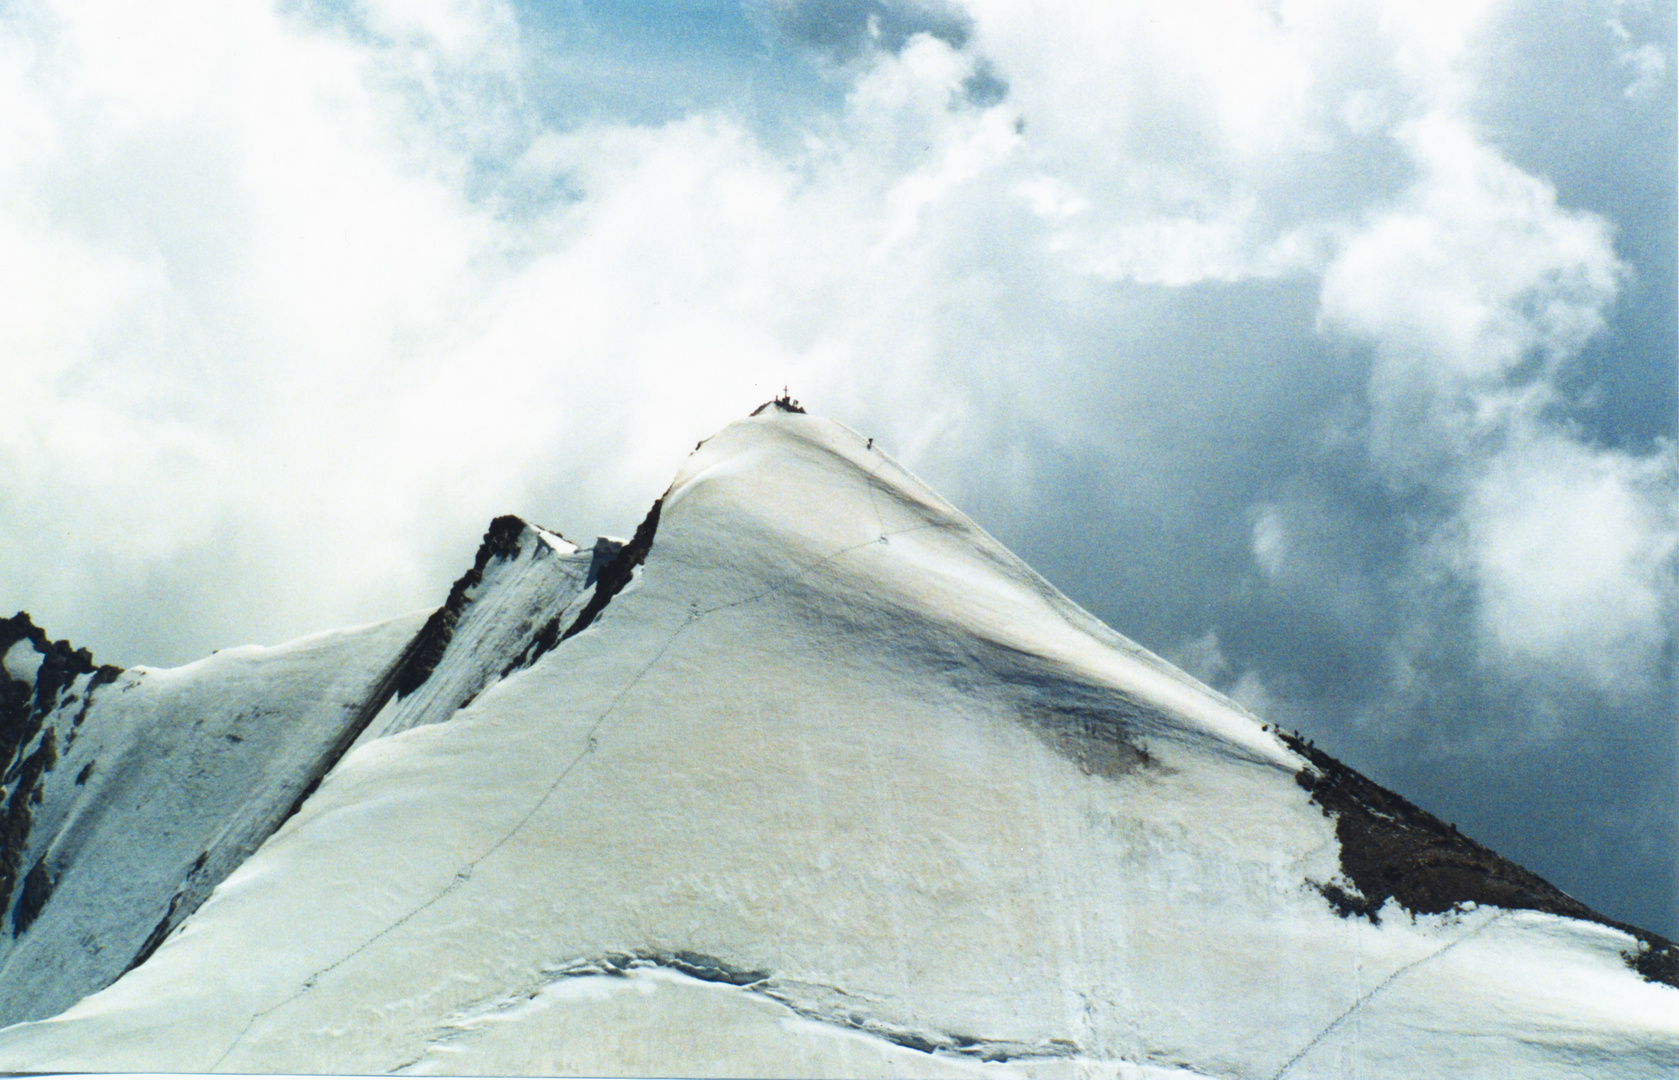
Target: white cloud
{"type": "Point", "coordinates": [218, 259]}
{"type": "Point", "coordinates": [1647, 60]}
{"type": "Point", "coordinates": [1250, 692]}
{"type": "Point", "coordinates": [1475, 271]}
{"type": "Point", "coordinates": [1203, 659]}
{"type": "Point", "coordinates": [1270, 539]}
{"type": "Point", "coordinates": [1475, 292]}
{"type": "Point", "coordinates": [1574, 551]}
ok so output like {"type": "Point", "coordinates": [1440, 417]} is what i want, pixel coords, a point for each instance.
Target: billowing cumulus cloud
{"type": "Point", "coordinates": [1290, 338]}
{"type": "Point", "coordinates": [1573, 554]}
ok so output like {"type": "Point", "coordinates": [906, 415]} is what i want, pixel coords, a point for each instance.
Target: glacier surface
{"type": "Point", "coordinates": [809, 777]}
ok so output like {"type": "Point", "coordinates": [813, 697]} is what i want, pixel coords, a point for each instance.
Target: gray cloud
{"type": "Point", "coordinates": [844, 30]}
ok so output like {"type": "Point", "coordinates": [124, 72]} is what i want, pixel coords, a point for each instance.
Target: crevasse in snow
{"type": "Point", "coordinates": [813, 777]}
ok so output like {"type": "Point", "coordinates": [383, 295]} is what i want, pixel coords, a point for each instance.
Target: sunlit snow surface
{"type": "Point", "coordinates": [165, 781]}
{"type": "Point", "coordinates": [838, 786]}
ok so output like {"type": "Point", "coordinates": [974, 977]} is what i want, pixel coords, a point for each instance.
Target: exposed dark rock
{"type": "Point", "coordinates": [501, 541]}
{"type": "Point", "coordinates": [709, 968]}
{"type": "Point", "coordinates": [24, 712]}
{"type": "Point", "coordinates": [604, 553]}
{"type": "Point", "coordinates": [18, 627]}
{"type": "Point", "coordinates": [40, 716]}
{"type": "Point", "coordinates": [19, 719]}
{"type": "Point", "coordinates": [157, 936]}
{"type": "Point", "coordinates": [59, 668]}
{"type": "Point", "coordinates": [1656, 960]}
{"type": "Point", "coordinates": [786, 403]}
{"type": "Point", "coordinates": [106, 673]}
{"type": "Point", "coordinates": [1350, 903]}
{"type": "Point", "coordinates": [37, 890]}
{"type": "Point", "coordinates": [1392, 849]}
{"type": "Point", "coordinates": [24, 707]}
{"type": "Point", "coordinates": [16, 714]}
{"type": "Point", "coordinates": [545, 639]}
{"type": "Point", "coordinates": [382, 693]}
{"type": "Point", "coordinates": [14, 828]}
{"type": "Point", "coordinates": [600, 557]}
{"type": "Point", "coordinates": [166, 925]}
{"type": "Point", "coordinates": [617, 573]}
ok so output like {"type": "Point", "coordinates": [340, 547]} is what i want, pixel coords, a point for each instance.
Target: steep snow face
{"type": "Point", "coordinates": [137, 791]}
{"type": "Point", "coordinates": [502, 614]}
{"type": "Point", "coordinates": [833, 784]}
{"type": "Point", "coordinates": [131, 795]}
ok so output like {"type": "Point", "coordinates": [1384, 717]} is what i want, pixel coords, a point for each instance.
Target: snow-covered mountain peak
{"type": "Point", "coordinates": [809, 776]}
{"type": "Point", "coordinates": [782, 484]}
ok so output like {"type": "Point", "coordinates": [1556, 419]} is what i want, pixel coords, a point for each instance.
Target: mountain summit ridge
{"type": "Point", "coordinates": [811, 776]}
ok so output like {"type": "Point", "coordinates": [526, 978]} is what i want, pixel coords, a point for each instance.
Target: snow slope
{"type": "Point", "coordinates": [524, 577]}
{"type": "Point", "coordinates": [155, 784]}
{"type": "Point", "coordinates": [133, 794]}
{"type": "Point", "coordinates": [813, 777]}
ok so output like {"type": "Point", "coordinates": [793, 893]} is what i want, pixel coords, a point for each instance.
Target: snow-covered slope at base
{"type": "Point", "coordinates": [129, 796]}
{"type": "Point", "coordinates": [157, 784]}
{"type": "Point", "coordinates": [837, 786]}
